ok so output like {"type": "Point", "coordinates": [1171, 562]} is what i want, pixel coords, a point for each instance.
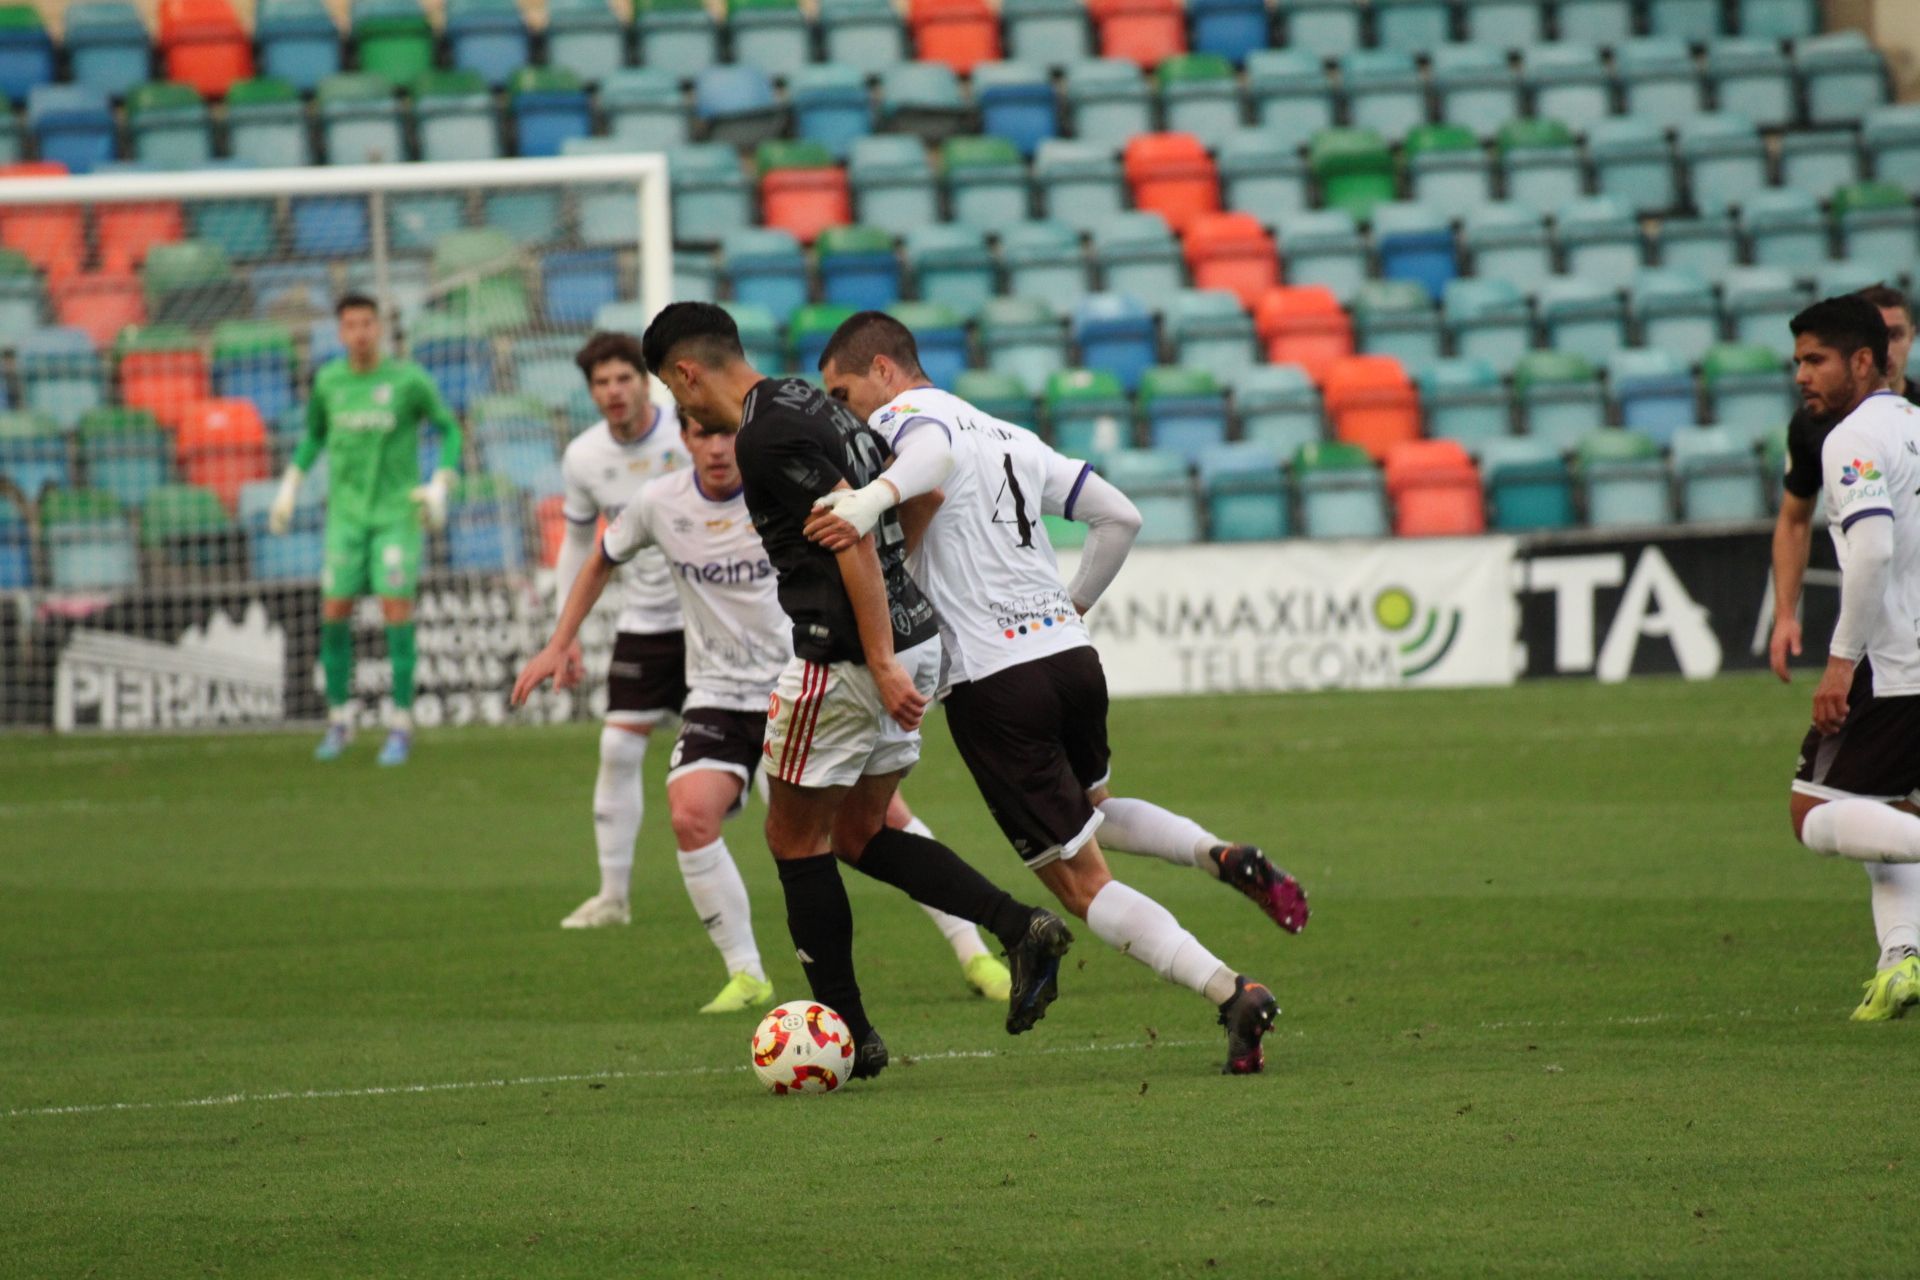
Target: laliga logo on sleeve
{"type": "Point", "coordinates": [1857, 471]}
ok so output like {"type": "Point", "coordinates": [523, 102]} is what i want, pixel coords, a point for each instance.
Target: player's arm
{"type": "Point", "coordinates": [312, 441]}
{"type": "Point", "coordinates": [1792, 543]}
{"type": "Point", "coordinates": [922, 460]}
{"type": "Point", "coordinates": [432, 496]}
{"type": "Point", "coordinates": [560, 658]}
{"type": "Point", "coordinates": [1075, 492]}
{"type": "Point", "coordinates": [580, 512]}
{"type": "Point", "coordinates": [867, 590]}
{"type": "Point", "coordinates": [1863, 509]}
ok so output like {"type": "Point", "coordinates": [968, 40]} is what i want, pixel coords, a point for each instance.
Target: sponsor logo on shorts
{"type": "Point", "coordinates": [773, 707]}
{"type": "Point", "coordinates": [1858, 470]}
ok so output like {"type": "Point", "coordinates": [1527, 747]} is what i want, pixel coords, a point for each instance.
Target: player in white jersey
{"type": "Point", "coordinates": [1857, 788]}
{"type": "Point", "coordinates": [695, 521]}
{"type": "Point", "coordinates": [1025, 694]}
{"type": "Point", "coordinates": [635, 441]}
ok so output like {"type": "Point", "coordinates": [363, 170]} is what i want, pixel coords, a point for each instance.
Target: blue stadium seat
{"type": "Point", "coordinates": [587, 38]}
{"type": "Point", "coordinates": [1474, 86]}
{"type": "Point", "coordinates": [1569, 85]}
{"type": "Point", "coordinates": [830, 106]}
{"type": "Point", "coordinates": [1415, 243]}
{"type": "Point", "coordinates": [951, 266]}
{"type": "Point", "coordinates": [33, 453]}
{"type": "Point", "coordinates": [1718, 476]}
{"type": "Point", "coordinates": [576, 283]}
{"type": "Point", "coordinates": [696, 276]}
{"type": "Point", "coordinates": [549, 106]}
{"type": "Point", "coordinates": [26, 61]}
{"type": "Point", "coordinates": [1842, 74]}
{"type": "Point", "coordinates": [1209, 330]}
{"type": "Point", "coordinates": [1137, 255]}
{"type": "Point", "coordinates": [1676, 313]}
{"type": "Point", "coordinates": [1507, 241]}
{"type": "Point", "coordinates": [1760, 301]}
{"type": "Point", "coordinates": [1658, 81]}
{"type": "Point", "coordinates": [1600, 238]}
{"type": "Point", "coordinates": [765, 267]}
{"type": "Point", "coordinates": [1231, 28]}
{"type": "Point", "coordinates": [1527, 485]}
{"type": "Point", "coordinates": [1463, 399]}
{"type": "Point", "coordinates": [1323, 28]}
{"type": "Point", "coordinates": [1185, 411]}
{"type": "Point", "coordinates": [484, 532]}
{"type": "Point", "coordinates": [299, 43]}
{"type": "Point", "coordinates": [108, 47]}
{"type": "Point", "coordinates": [1246, 492]}
{"type": "Point", "coordinates": [1043, 259]}
{"type": "Point", "coordinates": [488, 36]}
{"type": "Point", "coordinates": [1724, 159]}
{"type": "Point", "coordinates": [1016, 103]}
{"type": "Point", "coordinates": [1383, 91]}
{"type": "Point", "coordinates": [1891, 135]}
{"type": "Point", "coordinates": [1324, 247]}
{"type": "Point", "coordinates": [126, 453]}
{"type": "Point", "coordinates": [1079, 182]}
{"type": "Point", "coordinates": [858, 267]}
{"type": "Point", "coordinates": [71, 123]}
{"type": "Point", "coordinates": [1049, 33]}
{"type": "Point", "coordinates": [1290, 95]}
{"type": "Point", "coordinates": [1755, 79]}
{"type": "Point", "coordinates": [1488, 320]}
{"type": "Point", "coordinates": [60, 374]}
{"type": "Point", "coordinates": [1785, 229]}
{"type": "Point", "coordinates": [1581, 313]}
{"type": "Point", "coordinates": [941, 337]}
{"type": "Point", "coordinates": [1278, 407]}
{"type": "Point", "coordinates": [261, 374]}
{"type": "Point", "coordinates": [864, 34]}
{"type": "Point", "coordinates": [1024, 339]}
{"type": "Point", "coordinates": [1632, 165]}
{"type": "Point", "coordinates": [643, 108]}
{"type": "Point", "coordinates": [738, 105]}
{"type": "Point", "coordinates": [1261, 173]}
{"type": "Point", "coordinates": [893, 183]}
{"type": "Point", "coordinates": [1115, 332]}
{"type": "Point", "coordinates": [298, 553]}
{"type": "Point", "coordinates": [1107, 101]}
{"type": "Point", "coordinates": [1653, 390]}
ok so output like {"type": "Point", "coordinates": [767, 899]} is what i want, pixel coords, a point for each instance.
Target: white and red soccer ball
{"type": "Point", "coordinates": [802, 1047]}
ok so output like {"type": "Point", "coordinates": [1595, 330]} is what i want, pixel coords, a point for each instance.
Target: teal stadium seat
{"type": "Point", "coordinates": [1507, 242]}
{"type": "Point", "coordinates": [1325, 247]}
{"type": "Point", "coordinates": [1580, 313]}
{"type": "Point", "coordinates": [170, 126]}
{"type": "Point", "coordinates": [1107, 101]}
{"type": "Point", "coordinates": [1891, 135]}
{"type": "Point", "coordinates": [1842, 75]}
{"type": "Point", "coordinates": [453, 113]}
{"type": "Point", "coordinates": [1324, 28]}
{"type": "Point", "coordinates": [1718, 476]}
{"type": "Point", "coordinates": [1340, 491]}
{"type": "Point", "coordinates": [1632, 164]}
{"type": "Point", "coordinates": [1050, 33]}
{"type": "Point", "coordinates": [864, 34]}
{"type": "Point", "coordinates": [1600, 238]}
{"type": "Point", "coordinates": [1473, 86]}
{"type": "Point", "coordinates": [1279, 407]}
{"type": "Point", "coordinates": [1159, 485]}
{"type": "Point", "coordinates": [1560, 397]}
{"type": "Point", "coordinates": [1513, 24]}
{"type": "Point", "coordinates": [1708, 246]}
{"type": "Point", "coordinates": [1136, 253]}
{"type": "Point", "coordinates": [1001, 395]}
{"type": "Point", "coordinates": [1724, 159]}
{"type": "Point", "coordinates": [1262, 173]}
{"type": "Point", "coordinates": [1079, 183]}
{"type": "Point", "coordinates": [893, 183]}
{"type": "Point", "coordinates": [1246, 493]}
{"type": "Point", "coordinates": [1820, 159]}
{"type": "Point", "coordinates": [1676, 313]}
{"type": "Point", "coordinates": [1624, 480]}
{"type": "Point", "coordinates": [1024, 338]}
{"type": "Point", "coordinates": [1595, 22]}
{"type": "Point", "coordinates": [1748, 389]}
{"type": "Point", "coordinates": [1540, 164]}
{"type": "Point", "coordinates": [1785, 229]}
{"type": "Point", "coordinates": [1488, 320]}
{"type": "Point", "coordinates": [587, 38]}
{"type": "Point", "coordinates": [950, 265]}
{"type": "Point", "coordinates": [1398, 318]}
{"type": "Point", "coordinates": [1209, 330]}
{"type": "Point", "coordinates": [1447, 170]}
{"type": "Point", "coordinates": [644, 108]}
{"type": "Point", "coordinates": [773, 35]}
{"type": "Point", "coordinates": [1290, 96]}
{"type": "Point", "coordinates": [1384, 91]}
{"type": "Point", "coordinates": [1568, 84]}
{"type": "Point", "coordinates": [1463, 399]}
{"type": "Point", "coordinates": [1413, 26]}
{"type": "Point", "coordinates": [710, 192]}
{"type": "Point", "coordinates": [1043, 259]}
{"type": "Point", "coordinates": [1695, 21]}
{"type": "Point", "coordinates": [924, 99]}
{"type": "Point", "coordinates": [1754, 77]}
{"type": "Point", "coordinates": [986, 181]}
{"type": "Point", "coordinates": [1658, 81]}
{"type": "Point", "coordinates": [680, 34]}
{"type": "Point", "coordinates": [1528, 487]}
{"type": "Point", "coordinates": [1088, 413]}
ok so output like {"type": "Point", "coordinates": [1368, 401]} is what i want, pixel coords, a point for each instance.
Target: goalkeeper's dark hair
{"type": "Point", "coordinates": [604, 346]}
{"type": "Point", "coordinates": [866, 334]}
{"type": "Point", "coordinates": [706, 331]}
{"type": "Point", "coordinates": [1887, 298]}
{"type": "Point", "coordinates": [351, 301]}
{"type": "Point", "coordinates": [1847, 324]}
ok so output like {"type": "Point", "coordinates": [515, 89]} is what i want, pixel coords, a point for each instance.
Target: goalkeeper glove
{"type": "Point", "coordinates": [431, 499]}
{"type": "Point", "coordinates": [280, 515]}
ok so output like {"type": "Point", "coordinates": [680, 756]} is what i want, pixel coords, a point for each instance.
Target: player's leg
{"type": "Point", "coordinates": [984, 974]}
{"type": "Point", "coordinates": [714, 757]}
{"type": "Point", "coordinates": [396, 574]}
{"type": "Point", "coordinates": [343, 578]}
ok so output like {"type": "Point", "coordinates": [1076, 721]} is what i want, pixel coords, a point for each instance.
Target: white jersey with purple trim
{"type": "Point", "coordinates": [1871, 465]}
{"type": "Point", "coordinates": [600, 475]}
{"type": "Point", "coordinates": [986, 562]}
{"type": "Point", "coordinates": [738, 638]}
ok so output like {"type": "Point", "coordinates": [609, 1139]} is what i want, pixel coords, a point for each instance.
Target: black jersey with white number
{"type": "Point", "coordinates": [796, 444]}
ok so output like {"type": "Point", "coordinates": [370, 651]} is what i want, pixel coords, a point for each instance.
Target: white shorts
{"type": "Point", "coordinates": [826, 726]}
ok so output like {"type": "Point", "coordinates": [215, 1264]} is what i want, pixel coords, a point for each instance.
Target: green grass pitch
{"type": "Point", "coordinates": [1572, 1003]}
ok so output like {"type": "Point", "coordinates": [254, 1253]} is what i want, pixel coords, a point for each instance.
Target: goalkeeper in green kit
{"type": "Point", "coordinates": [366, 410]}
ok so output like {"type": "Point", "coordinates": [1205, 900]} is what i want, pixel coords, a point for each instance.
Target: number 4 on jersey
{"type": "Point", "coordinates": [1011, 489]}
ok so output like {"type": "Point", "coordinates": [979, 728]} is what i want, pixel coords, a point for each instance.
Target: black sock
{"type": "Point", "coordinates": [930, 873]}
{"type": "Point", "coordinates": [820, 920]}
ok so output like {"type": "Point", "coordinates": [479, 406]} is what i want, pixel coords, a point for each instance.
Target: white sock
{"type": "Point", "coordinates": [1896, 908]}
{"type": "Point", "coordinates": [1144, 828]}
{"type": "Point", "coordinates": [400, 719]}
{"type": "Point", "coordinates": [1135, 925]}
{"type": "Point", "coordinates": [720, 897]}
{"type": "Point", "coordinates": [342, 714]}
{"type": "Point", "coordinates": [1863, 829]}
{"type": "Point", "coordinates": [960, 934]}
{"type": "Point", "coordinates": [617, 807]}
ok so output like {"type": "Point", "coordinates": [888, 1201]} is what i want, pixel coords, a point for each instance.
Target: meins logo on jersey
{"type": "Point", "coordinates": [724, 572]}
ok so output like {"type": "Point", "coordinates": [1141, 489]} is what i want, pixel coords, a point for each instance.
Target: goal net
{"type": "Point", "coordinates": [161, 333]}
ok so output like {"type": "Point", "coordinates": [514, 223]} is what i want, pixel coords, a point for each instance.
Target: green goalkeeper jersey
{"type": "Point", "coordinates": [370, 425]}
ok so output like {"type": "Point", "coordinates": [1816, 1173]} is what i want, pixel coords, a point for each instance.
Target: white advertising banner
{"type": "Point", "coordinates": [1305, 615]}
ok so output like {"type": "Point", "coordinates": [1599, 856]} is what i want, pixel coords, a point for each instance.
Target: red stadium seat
{"type": "Point", "coordinates": [1435, 490]}
{"type": "Point", "coordinates": [1172, 174]}
{"type": "Point", "coordinates": [961, 33]}
{"type": "Point", "coordinates": [125, 232]}
{"type": "Point", "coordinates": [222, 444]}
{"type": "Point", "coordinates": [1304, 325]}
{"type": "Point", "coordinates": [805, 202]}
{"type": "Point", "coordinates": [1371, 402]}
{"type": "Point", "coordinates": [1142, 31]}
{"type": "Point", "coordinates": [1232, 251]}
{"type": "Point", "coordinates": [165, 382]}
{"type": "Point", "coordinates": [100, 302]}
{"type": "Point", "coordinates": [53, 237]}
{"type": "Point", "coordinates": [204, 45]}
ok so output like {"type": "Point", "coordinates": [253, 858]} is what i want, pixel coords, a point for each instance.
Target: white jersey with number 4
{"type": "Point", "coordinates": [601, 475]}
{"type": "Point", "coordinates": [986, 562]}
{"type": "Point", "coordinates": [1871, 465]}
{"type": "Point", "coordinates": [738, 639]}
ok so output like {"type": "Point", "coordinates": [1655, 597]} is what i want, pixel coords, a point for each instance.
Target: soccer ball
{"type": "Point", "coordinates": [802, 1048]}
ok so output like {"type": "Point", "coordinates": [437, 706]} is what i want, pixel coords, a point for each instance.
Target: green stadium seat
{"type": "Point", "coordinates": [809, 330]}
{"type": "Point", "coordinates": [187, 525]}
{"type": "Point", "coordinates": [395, 46]}
{"type": "Point", "coordinates": [1354, 169]}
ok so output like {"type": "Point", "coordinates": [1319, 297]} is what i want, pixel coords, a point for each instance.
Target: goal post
{"type": "Point", "coordinates": [160, 334]}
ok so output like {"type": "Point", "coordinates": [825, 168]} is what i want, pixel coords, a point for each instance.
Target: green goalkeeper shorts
{"type": "Point", "coordinates": [372, 560]}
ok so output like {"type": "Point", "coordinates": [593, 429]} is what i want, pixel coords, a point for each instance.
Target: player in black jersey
{"type": "Point", "coordinates": [843, 725]}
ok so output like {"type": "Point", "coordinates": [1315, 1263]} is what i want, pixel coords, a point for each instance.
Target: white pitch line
{"type": "Point", "coordinates": [454, 1086]}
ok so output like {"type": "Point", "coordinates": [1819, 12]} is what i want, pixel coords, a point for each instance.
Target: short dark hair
{"type": "Point", "coordinates": [866, 334]}
{"type": "Point", "coordinates": [604, 346]}
{"type": "Point", "coordinates": [1847, 324]}
{"type": "Point", "coordinates": [1886, 297]}
{"type": "Point", "coordinates": [702, 323]}
{"type": "Point", "coordinates": [352, 300]}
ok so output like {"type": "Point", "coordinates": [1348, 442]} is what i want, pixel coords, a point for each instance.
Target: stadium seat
{"type": "Point", "coordinates": [1115, 333]}
{"type": "Point", "coordinates": [101, 302]}
{"type": "Point", "coordinates": [1304, 325]}
{"type": "Point", "coordinates": [359, 119]}
{"type": "Point", "coordinates": [1891, 135]}
{"type": "Point", "coordinates": [1504, 23]}
{"type": "Point", "coordinates": [1632, 164]}
{"type": "Point", "coordinates": [549, 106]}
{"type": "Point", "coordinates": [680, 34]}
{"type": "Point", "coordinates": [587, 38]}
{"type": "Point", "coordinates": [1718, 476]}
{"type": "Point", "coordinates": [188, 526]}
{"type": "Point", "coordinates": [940, 335]}
{"type": "Point", "coordinates": [1540, 164]}
{"type": "Point", "coordinates": [483, 526]}
{"type": "Point", "coordinates": [1820, 159]}
{"type": "Point", "coordinates": [1413, 26]}
{"type": "Point", "coordinates": [1146, 32]}
{"type": "Point", "coordinates": [997, 394]}
{"type": "Point", "coordinates": [1653, 390]}
{"type": "Point", "coordinates": [1474, 87]}
{"type": "Point", "coordinates": [1324, 248]}
{"type": "Point", "coordinates": [107, 46]}
{"type": "Point", "coordinates": [1232, 29]}
{"type": "Point", "coordinates": [1199, 96]}
{"type": "Point", "coordinates": [1079, 183]}
{"type": "Point", "coordinates": [395, 42]}
{"type": "Point", "coordinates": [1488, 320]}
{"type": "Point", "coordinates": [893, 183]}
{"type": "Point", "coordinates": [864, 34]}
{"type": "Point", "coordinates": [1842, 75]}
{"type": "Point", "coordinates": [1340, 492]}
{"type": "Point", "coordinates": [1184, 410]}
{"type": "Point", "coordinates": [16, 548]}
{"type": "Point", "coordinates": [22, 297]}
{"type": "Point", "coordinates": [1042, 259]}
{"type": "Point", "coordinates": [26, 52]}
{"type": "Point", "coordinates": [254, 360]}
{"type": "Point", "coordinates": [1136, 254]}
{"type": "Point", "coordinates": [298, 553]}
{"type": "Point", "coordinates": [858, 267]}
{"type": "Point", "coordinates": [1324, 28]}
{"type": "Point", "coordinates": [806, 194]}
{"type": "Point", "coordinates": [1415, 243]}
{"type": "Point", "coordinates": [1371, 402]}
{"type": "Point", "coordinates": [60, 375]}
{"type": "Point", "coordinates": [1016, 104]}
{"type": "Point", "coordinates": [1676, 313]}
{"type": "Point", "coordinates": [986, 181]}
{"type": "Point", "coordinates": [1398, 318]}
{"type": "Point", "coordinates": [1569, 85]}
{"type": "Point", "coordinates": [1088, 413]}
{"type": "Point", "coordinates": [1354, 169]}
{"type": "Point", "coordinates": [761, 334]}
{"type": "Point", "coordinates": [830, 106]}
{"type": "Point", "coordinates": [924, 99]}
{"type": "Point", "coordinates": [1447, 171]}
{"type": "Point", "coordinates": [644, 110]}
{"type": "Point", "coordinates": [1595, 22]}
{"type": "Point", "coordinates": [1580, 313]}
{"type": "Point", "coordinates": [457, 357]}
{"type": "Point", "coordinates": [72, 125]}
{"type": "Point", "coordinates": [1527, 485]}
{"type": "Point", "coordinates": [488, 37]}
{"type": "Point", "coordinates": [1209, 329]}
{"type": "Point", "coordinates": [809, 330]}
{"type": "Point", "coordinates": [266, 124]}
{"type": "Point", "coordinates": [1694, 21]}
{"type": "Point", "coordinates": [1708, 246]}
{"type": "Point", "coordinates": [1785, 229]}
{"type": "Point", "coordinates": [222, 445]}
{"type": "Point", "coordinates": [1278, 407]}
{"type": "Point", "coordinates": [299, 43]}
{"type": "Point", "coordinates": [1107, 101]}
{"type": "Point", "coordinates": [1047, 33]}
{"type": "Point", "coordinates": [1435, 490]}
{"type": "Point", "coordinates": [1246, 493]}
{"type": "Point", "coordinates": [1507, 242]}
{"type": "Point", "coordinates": [33, 453]}
{"type": "Point", "coordinates": [710, 193]}
{"type": "Point", "coordinates": [169, 126]}
{"type": "Point", "coordinates": [51, 237]}
{"type": "Point", "coordinates": [1290, 95]}
{"type": "Point", "coordinates": [202, 44]}
{"type": "Point", "coordinates": [124, 453]}
{"type": "Point", "coordinates": [1261, 174]}
{"type": "Point", "coordinates": [1778, 19]}
{"type": "Point", "coordinates": [1658, 81]}
{"type": "Point", "coordinates": [962, 34]}
{"type": "Point", "coordinates": [1600, 239]}
{"type": "Point", "coordinates": [1753, 78]}
{"type": "Point", "coordinates": [192, 282]}
{"type": "Point", "coordinates": [1748, 388]}
{"type": "Point", "coordinates": [1878, 224]}
{"type": "Point", "coordinates": [89, 541]}
{"type": "Point", "coordinates": [455, 117]}
{"type": "Point", "coordinates": [1724, 159]}
{"type": "Point", "coordinates": [1560, 396]}
{"type": "Point", "coordinates": [772, 35]}
{"type": "Point", "coordinates": [1624, 480]}
{"type": "Point", "coordinates": [123, 233]}
{"type": "Point", "coordinates": [1464, 400]}
{"type": "Point", "coordinates": [738, 106]}
{"type": "Point", "coordinates": [1233, 252]}
{"type": "Point", "coordinates": [1383, 91]}
{"type": "Point", "coordinates": [1160, 488]}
